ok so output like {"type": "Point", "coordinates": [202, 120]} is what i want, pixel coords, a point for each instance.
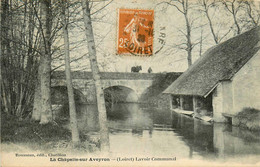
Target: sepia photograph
{"type": "Point", "coordinates": [130, 83]}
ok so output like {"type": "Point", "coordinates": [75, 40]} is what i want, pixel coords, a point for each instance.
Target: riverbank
{"type": "Point", "coordinates": [32, 135]}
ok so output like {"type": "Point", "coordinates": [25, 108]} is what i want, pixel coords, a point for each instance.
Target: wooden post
{"type": "Point", "coordinates": [181, 103]}
{"type": "Point", "coordinates": [195, 103]}
{"type": "Point", "coordinates": [170, 101]}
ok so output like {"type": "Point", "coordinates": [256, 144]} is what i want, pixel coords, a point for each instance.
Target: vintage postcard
{"type": "Point", "coordinates": [130, 83]}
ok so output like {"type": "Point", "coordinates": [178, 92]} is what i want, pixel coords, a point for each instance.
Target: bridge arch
{"type": "Point", "coordinates": [111, 83]}
{"type": "Point", "coordinates": [119, 93]}
{"type": "Point", "coordinates": [138, 86]}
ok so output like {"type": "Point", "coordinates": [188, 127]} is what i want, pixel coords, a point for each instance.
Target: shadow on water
{"type": "Point", "coordinates": [197, 135]}
{"type": "Point", "coordinates": [145, 130]}
{"type": "Point", "coordinates": [129, 117]}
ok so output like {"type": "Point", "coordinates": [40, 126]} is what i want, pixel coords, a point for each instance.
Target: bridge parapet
{"type": "Point", "coordinates": [109, 75]}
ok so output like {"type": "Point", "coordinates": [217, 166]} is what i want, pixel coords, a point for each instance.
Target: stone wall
{"type": "Point", "coordinates": [217, 102]}
{"type": "Point", "coordinates": [230, 97]}
{"type": "Point", "coordinates": [246, 85]}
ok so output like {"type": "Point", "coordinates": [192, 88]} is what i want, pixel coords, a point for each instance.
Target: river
{"type": "Point", "coordinates": [141, 130]}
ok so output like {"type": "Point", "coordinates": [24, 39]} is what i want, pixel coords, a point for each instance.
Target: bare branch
{"type": "Point", "coordinates": [101, 8]}
{"type": "Point", "coordinates": [172, 5]}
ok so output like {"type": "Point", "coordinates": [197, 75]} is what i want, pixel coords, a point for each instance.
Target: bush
{"type": "Point", "coordinates": [249, 118]}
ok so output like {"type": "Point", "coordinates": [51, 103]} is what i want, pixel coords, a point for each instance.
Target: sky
{"type": "Point", "coordinates": [167, 20]}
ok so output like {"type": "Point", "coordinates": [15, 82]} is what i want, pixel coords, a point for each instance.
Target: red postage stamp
{"type": "Point", "coordinates": [135, 32]}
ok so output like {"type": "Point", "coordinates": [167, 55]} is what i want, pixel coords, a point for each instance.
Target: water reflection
{"type": "Point", "coordinates": [129, 117]}
{"type": "Point", "coordinates": [148, 131]}
{"type": "Point", "coordinates": [233, 141]}
{"type": "Point", "coordinates": [196, 134]}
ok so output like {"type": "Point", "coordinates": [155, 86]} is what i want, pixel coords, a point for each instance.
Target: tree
{"type": "Point", "coordinates": [1, 59]}
{"type": "Point", "coordinates": [252, 12]}
{"type": "Point", "coordinates": [72, 108]}
{"type": "Point", "coordinates": [183, 7]}
{"type": "Point", "coordinates": [19, 56]}
{"type": "Point", "coordinates": [233, 7]}
{"type": "Point", "coordinates": [48, 26]}
{"type": "Point", "coordinates": [104, 136]}
{"type": "Point", "coordinates": [206, 4]}
{"type": "Point", "coordinates": [208, 7]}
{"type": "Point", "coordinates": [45, 62]}
{"type": "Point", "coordinates": [37, 103]}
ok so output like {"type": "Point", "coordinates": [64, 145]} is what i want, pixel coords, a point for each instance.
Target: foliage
{"type": "Point", "coordinates": [249, 118]}
{"type": "Point", "coordinates": [14, 129]}
{"type": "Point", "coordinates": [160, 83]}
{"type": "Point", "coordinates": [19, 56]}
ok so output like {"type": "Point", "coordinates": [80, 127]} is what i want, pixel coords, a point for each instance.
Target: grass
{"type": "Point", "coordinates": [249, 118]}
{"type": "Point", "coordinates": [51, 136]}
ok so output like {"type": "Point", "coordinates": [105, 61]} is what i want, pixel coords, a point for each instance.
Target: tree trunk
{"type": "Point", "coordinates": [237, 25]}
{"type": "Point", "coordinates": [210, 22]}
{"type": "Point", "coordinates": [201, 41]}
{"type": "Point", "coordinates": [189, 44]}
{"type": "Point", "coordinates": [6, 57]}
{"type": "Point", "coordinates": [1, 54]}
{"type": "Point", "coordinates": [37, 103]}
{"type": "Point", "coordinates": [234, 12]}
{"type": "Point", "coordinates": [212, 30]}
{"type": "Point", "coordinates": [104, 136]}
{"type": "Point", "coordinates": [3, 101]}
{"type": "Point", "coordinates": [46, 110]}
{"type": "Point", "coordinates": [72, 108]}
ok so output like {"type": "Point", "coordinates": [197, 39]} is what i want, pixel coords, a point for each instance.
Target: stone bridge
{"type": "Point", "coordinates": [135, 83]}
